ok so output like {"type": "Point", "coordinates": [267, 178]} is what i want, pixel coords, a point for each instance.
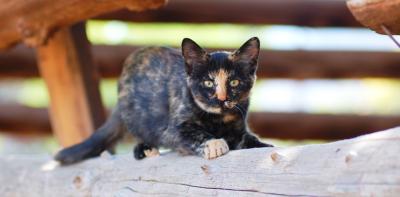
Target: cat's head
{"type": "Point", "coordinates": [220, 80]}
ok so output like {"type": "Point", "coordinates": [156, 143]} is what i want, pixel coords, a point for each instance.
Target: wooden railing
{"type": "Point", "coordinates": [297, 64]}
{"type": "Point", "coordinates": [19, 119]}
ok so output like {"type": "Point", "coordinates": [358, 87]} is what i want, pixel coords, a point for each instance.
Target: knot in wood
{"type": "Point", "coordinates": [205, 169]}
{"type": "Point", "coordinates": [77, 182]}
{"type": "Point", "coordinates": [349, 157]}
{"type": "Point", "coordinates": [276, 157]}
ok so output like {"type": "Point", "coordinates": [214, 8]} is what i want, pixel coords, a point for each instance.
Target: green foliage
{"type": "Point", "coordinates": [171, 34]}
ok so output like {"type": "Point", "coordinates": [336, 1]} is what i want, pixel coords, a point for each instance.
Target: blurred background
{"type": "Point", "coordinates": [322, 76]}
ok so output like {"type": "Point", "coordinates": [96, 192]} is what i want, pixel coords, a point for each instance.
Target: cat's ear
{"type": "Point", "coordinates": [193, 54]}
{"type": "Point", "coordinates": [247, 54]}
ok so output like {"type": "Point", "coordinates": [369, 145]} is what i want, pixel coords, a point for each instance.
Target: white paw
{"type": "Point", "coordinates": [215, 148]}
{"type": "Point", "coordinates": [152, 153]}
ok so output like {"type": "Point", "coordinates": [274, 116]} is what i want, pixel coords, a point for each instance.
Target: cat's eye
{"type": "Point", "coordinates": [234, 83]}
{"type": "Point", "coordinates": [208, 84]}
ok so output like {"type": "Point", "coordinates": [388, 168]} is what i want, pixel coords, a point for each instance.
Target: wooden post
{"type": "Point", "coordinates": [66, 65]}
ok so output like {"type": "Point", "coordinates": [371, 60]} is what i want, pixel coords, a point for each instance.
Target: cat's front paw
{"type": "Point", "coordinates": [153, 152]}
{"type": "Point", "coordinates": [143, 150]}
{"type": "Point", "coordinates": [215, 148]}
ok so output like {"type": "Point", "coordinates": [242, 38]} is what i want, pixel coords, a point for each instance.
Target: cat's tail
{"type": "Point", "coordinates": [104, 138]}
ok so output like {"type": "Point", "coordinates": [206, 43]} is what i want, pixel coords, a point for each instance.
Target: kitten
{"type": "Point", "coordinates": [190, 101]}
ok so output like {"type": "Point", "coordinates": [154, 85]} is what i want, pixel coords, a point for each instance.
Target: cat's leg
{"type": "Point", "coordinates": [143, 150]}
{"type": "Point", "coordinates": [196, 140]}
{"type": "Point", "coordinates": [250, 141]}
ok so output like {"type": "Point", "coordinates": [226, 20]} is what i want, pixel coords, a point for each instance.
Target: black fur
{"type": "Point", "coordinates": [163, 101]}
{"type": "Point", "coordinates": [104, 138]}
{"type": "Point", "coordinates": [138, 151]}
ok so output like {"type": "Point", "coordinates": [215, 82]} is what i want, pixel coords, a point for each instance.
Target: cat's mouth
{"type": "Point", "coordinates": [229, 104]}
{"type": "Point", "coordinates": [217, 109]}
{"type": "Point", "coordinates": [210, 109]}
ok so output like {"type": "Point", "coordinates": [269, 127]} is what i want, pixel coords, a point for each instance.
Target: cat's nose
{"type": "Point", "coordinates": [221, 97]}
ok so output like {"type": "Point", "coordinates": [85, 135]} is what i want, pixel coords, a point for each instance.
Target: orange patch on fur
{"type": "Point", "coordinates": [229, 118]}
{"type": "Point", "coordinates": [220, 80]}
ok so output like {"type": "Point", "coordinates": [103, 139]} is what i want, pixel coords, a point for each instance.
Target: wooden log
{"type": "Point", "coordinates": [375, 13]}
{"type": "Point", "coordinates": [328, 64]}
{"type": "Point", "coordinates": [33, 20]}
{"type": "Point", "coordinates": [299, 126]}
{"type": "Point", "coordinates": [363, 166]}
{"type": "Point", "coordinates": [22, 120]}
{"type": "Point", "coordinates": [20, 62]}
{"type": "Point", "coordinates": [318, 126]}
{"type": "Point", "coordinates": [66, 65]}
{"type": "Point", "coordinates": [288, 12]}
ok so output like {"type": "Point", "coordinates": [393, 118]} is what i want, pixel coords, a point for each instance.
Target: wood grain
{"type": "Point", "coordinates": [34, 20]}
{"type": "Point", "coordinates": [66, 65]}
{"type": "Point", "coordinates": [363, 166]}
{"type": "Point", "coordinates": [375, 13]}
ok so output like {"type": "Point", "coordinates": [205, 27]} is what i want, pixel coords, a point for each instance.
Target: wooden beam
{"type": "Point", "coordinates": [363, 166]}
{"type": "Point", "coordinates": [328, 64]}
{"type": "Point", "coordinates": [33, 20]}
{"type": "Point", "coordinates": [288, 12]}
{"type": "Point", "coordinates": [66, 65]}
{"type": "Point", "coordinates": [318, 126]}
{"type": "Point", "coordinates": [20, 62]}
{"type": "Point", "coordinates": [24, 120]}
{"type": "Point", "coordinates": [375, 13]}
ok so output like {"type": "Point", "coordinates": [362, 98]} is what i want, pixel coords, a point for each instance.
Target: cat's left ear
{"type": "Point", "coordinates": [247, 54]}
{"type": "Point", "coordinates": [193, 54]}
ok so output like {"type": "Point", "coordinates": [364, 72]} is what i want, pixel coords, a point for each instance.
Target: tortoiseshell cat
{"type": "Point", "coordinates": [192, 101]}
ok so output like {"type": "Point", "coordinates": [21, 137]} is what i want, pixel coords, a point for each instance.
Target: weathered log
{"type": "Point", "coordinates": [33, 20]}
{"type": "Point", "coordinates": [375, 13]}
{"type": "Point", "coordinates": [289, 12]}
{"type": "Point", "coordinates": [25, 120]}
{"type": "Point", "coordinates": [363, 166]}
{"type": "Point", "coordinates": [20, 62]}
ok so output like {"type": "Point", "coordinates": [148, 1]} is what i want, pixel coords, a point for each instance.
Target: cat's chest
{"type": "Point", "coordinates": [220, 123]}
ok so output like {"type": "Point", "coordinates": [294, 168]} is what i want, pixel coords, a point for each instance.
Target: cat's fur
{"type": "Point", "coordinates": [164, 102]}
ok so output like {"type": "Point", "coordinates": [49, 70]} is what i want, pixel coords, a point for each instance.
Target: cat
{"type": "Point", "coordinates": [190, 101]}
